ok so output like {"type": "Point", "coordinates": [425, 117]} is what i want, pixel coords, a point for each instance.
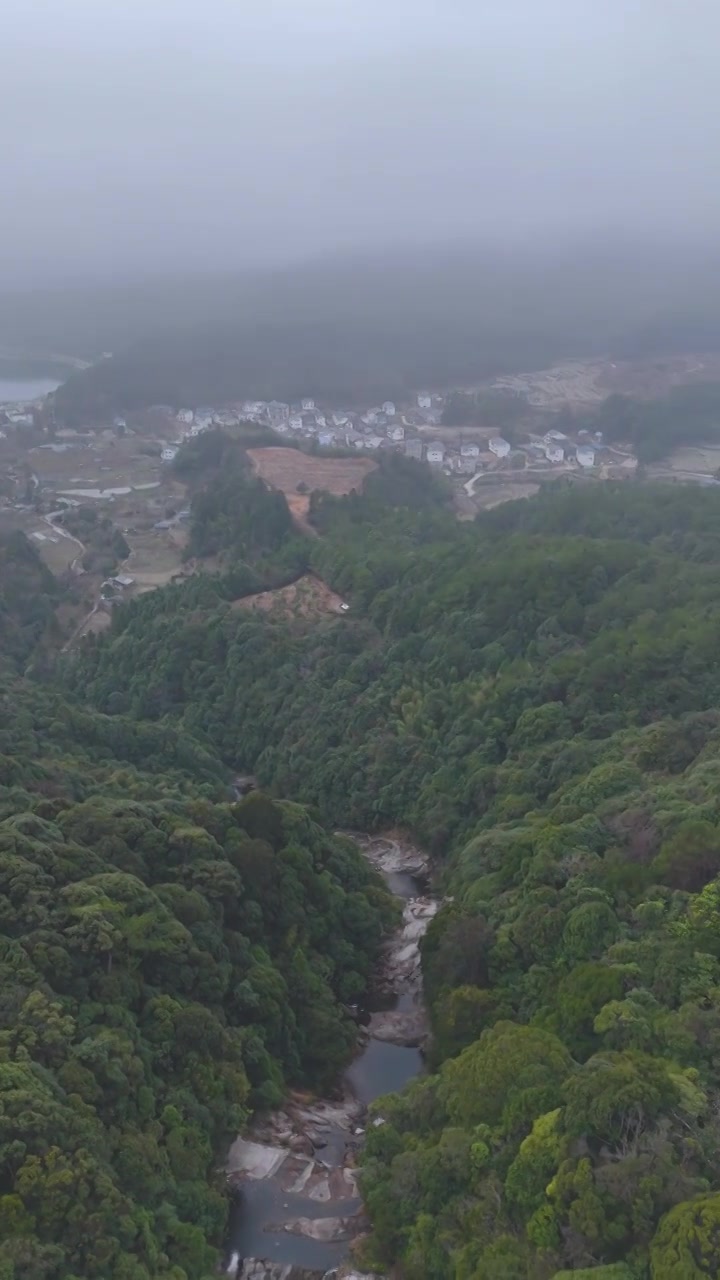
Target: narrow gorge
{"type": "Point", "coordinates": [297, 1207]}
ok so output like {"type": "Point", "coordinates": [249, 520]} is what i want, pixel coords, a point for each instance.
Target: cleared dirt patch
{"type": "Point", "coordinates": [494, 496]}
{"type": "Point", "coordinates": [156, 558]}
{"type": "Point", "coordinates": [692, 458]}
{"type": "Point", "coordinates": [285, 469]}
{"type": "Point", "coordinates": [309, 597]}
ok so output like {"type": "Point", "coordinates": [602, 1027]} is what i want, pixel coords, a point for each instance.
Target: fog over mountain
{"type": "Point", "coordinates": [178, 135]}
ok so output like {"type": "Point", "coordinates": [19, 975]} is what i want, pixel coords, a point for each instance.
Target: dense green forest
{"type": "Point", "coordinates": [537, 697]}
{"type": "Point", "coordinates": [170, 960]}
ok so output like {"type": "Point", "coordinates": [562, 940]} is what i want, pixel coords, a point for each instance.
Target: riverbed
{"type": "Point", "coordinates": [297, 1207]}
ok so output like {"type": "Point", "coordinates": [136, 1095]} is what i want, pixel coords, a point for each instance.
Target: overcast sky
{"type": "Point", "coordinates": [154, 133]}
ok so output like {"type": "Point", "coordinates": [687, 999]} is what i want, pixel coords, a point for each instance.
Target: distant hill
{"type": "Point", "coordinates": [365, 328]}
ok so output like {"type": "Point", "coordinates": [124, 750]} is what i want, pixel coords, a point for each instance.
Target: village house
{"type": "Point", "coordinates": [169, 452]}
{"type": "Point", "coordinates": [369, 417]}
{"type": "Point", "coordinates": [585, 456]}
{"type": "Point", "coordinates": [469, 450]}
{"type": "Point", "coordinates": [340, 420]}
{"type": "Point", "coordinates": [307, 404]}
{"type": "Point", "coordinates": [374, 442]}
{"type": "Point", "coordinates": [295, 422]}
{"type": "Point", "coordinates": [120, 582]}
{"type": "Point", "coordinates": [499, 447]}
{"type": "Point", "coordinates": [203, 421]}
{"type": "Point", "coordinates": [435, 453]}
{"type": "Point", "coordinates": [185, 415]}
{"type": "Point", "coordinates": [389, 408]}
{"type": "Point", "coordinates": [278, 411]}
{"type": "Point", "coordinates": [326, 438]}
{"type": "Point", "coordinates": [424, 400]}
{"type": "Point", "coordinates": [554, 437]}
{"type": "Point", "coordinates": [396, 434]}
{"type": "Point", "coordinates": [320, 420]}
{"type": "Point", "coordinates": [554, 453]}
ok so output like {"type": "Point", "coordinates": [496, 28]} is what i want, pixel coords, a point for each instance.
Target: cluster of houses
{"type": "Point", "coordinates": [557, 447]}
{"type": "Point", "coordinates": [376, 428]}
{"type": "Point", "coordinates": [389, 427]}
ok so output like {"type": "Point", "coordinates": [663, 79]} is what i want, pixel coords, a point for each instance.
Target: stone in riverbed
{"type": "Point", "coordinates": [254, 1159]}
{"type": "Point", "coordinates": [408, 1030]}
{"type": "Point", "coordinates": [325, 1230]}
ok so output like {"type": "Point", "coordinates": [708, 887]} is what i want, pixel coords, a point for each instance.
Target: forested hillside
{"type": "Point", "coordinates": [537, 697]}
{"type": "Point", "coordinates": [372, 326]}
{"type": "Point", "coordinates": [169, 961]}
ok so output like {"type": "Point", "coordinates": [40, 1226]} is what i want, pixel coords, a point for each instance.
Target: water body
{"type": "Point", "coordinates": [22, 390]}
{"type": "Point", "coordinates": [257, 1228]}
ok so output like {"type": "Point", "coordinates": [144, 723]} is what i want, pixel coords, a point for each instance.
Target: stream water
{"type": "Point", "coordinates": [297, 1207]}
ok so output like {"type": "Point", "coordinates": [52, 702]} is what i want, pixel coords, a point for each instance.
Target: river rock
{"type": "Point", "coordinates": [327, 1230]}
{"type": "Point", "coordinates": [254, 1159]}
{"type": "Point", "coordinates": [410, 1030]}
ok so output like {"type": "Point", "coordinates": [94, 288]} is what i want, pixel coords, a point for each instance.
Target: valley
{"type": "Point", "coordinates": [295, 1174]}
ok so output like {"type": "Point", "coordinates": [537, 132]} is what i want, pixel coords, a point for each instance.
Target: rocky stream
{"type": "Point", "coordinates": [296, 1206]}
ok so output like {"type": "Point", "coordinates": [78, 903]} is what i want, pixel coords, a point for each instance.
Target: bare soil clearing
{"type": "Point", "coordinates": [285, 469]}
{"type": "Point", "coordinates": [494, 495]}
{"type": "Point", "coordinates": [309, 597]}
{"type": "Point", "coordinates": [690, 459]}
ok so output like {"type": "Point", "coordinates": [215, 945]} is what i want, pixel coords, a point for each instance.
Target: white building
{"type": "Point", "coordinates": [435, 454]}
{"type": "Point", "coordinates": [326, 438]}
{"type": "Point", "coordinates": [585, 457]}
{"type": "Point", "coordinates": [295, 422]}
{"type": "Point", "coordinates": [373, 442]}
{"type": "Point", "coordinates": [307, 404]}
{"type": "Point", "coordinates": [396, 434]}
{"type": "Point", "coordinates": [469, 450]}
{"type": "Point", "coordinates": [554, 437]}
{"type": "Point", "coordinates": [185, 415]}
{"type": "Point", "coordinates": [340, 419]}
{"type": "Point", "coordinates": [169, 452]}
{"type": "Point", "coordinates": [369, 418]}
{"type": "Point", "coordinates": [499, 447]}
{"type": "Point", "coordinates": [424, 400]}
{"type": "Point", "coordinates": [203, 421]}
{"type": "Point", "coordinates": [554, 453]}
{"type": "Point", "coordinates": [320, 420]}
{"type": "Point", "coordinates": [389, 408]}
